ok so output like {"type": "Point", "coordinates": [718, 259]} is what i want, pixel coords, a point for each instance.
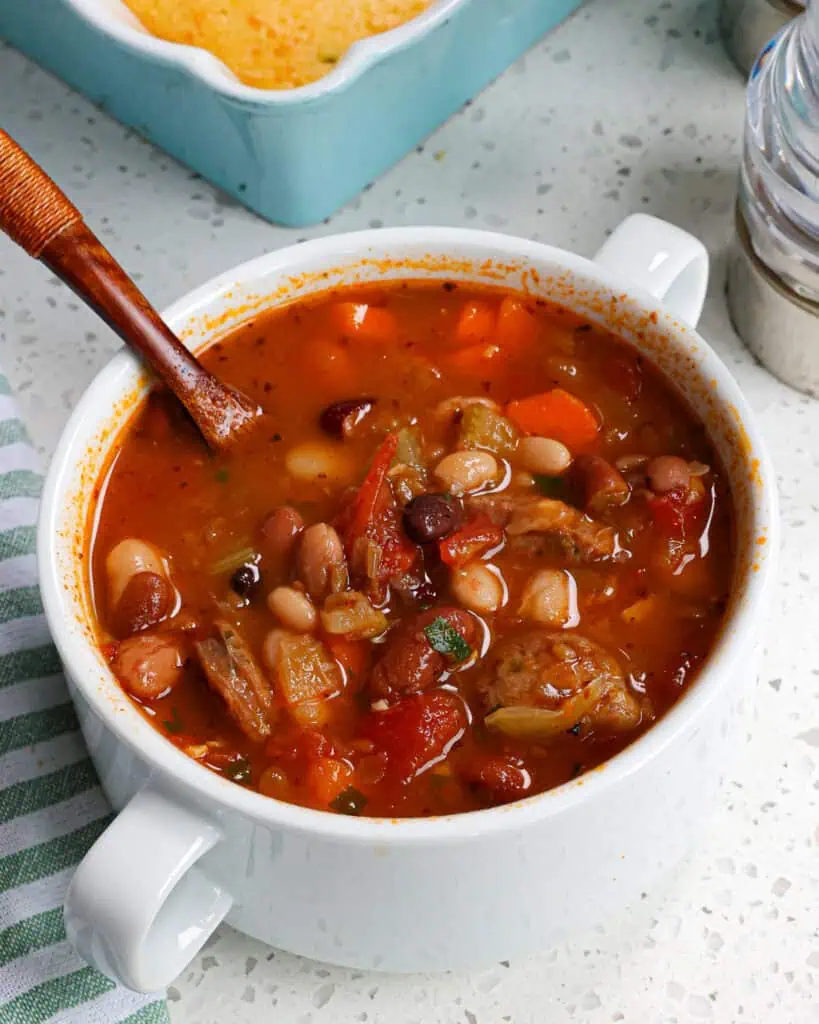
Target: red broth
{"type": "Point", "coordinates": [494, 566]}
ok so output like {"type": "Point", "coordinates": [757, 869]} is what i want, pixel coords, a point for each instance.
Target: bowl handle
{"type": "Point", "coordinates": [137, 908]}
{"type": "Point", "coordinates": [663, 259]}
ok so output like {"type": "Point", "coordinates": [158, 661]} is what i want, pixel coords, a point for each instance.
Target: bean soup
{"type": "Point", "coordinates": [484, 546]}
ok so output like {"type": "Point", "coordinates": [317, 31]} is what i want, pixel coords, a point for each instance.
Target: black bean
{"type": "Point", "coordinates": [430, 517]}
{"type": "Point", "coordinates": [245, 581]}
{"type": "Point", "coordinates": [341, 418]}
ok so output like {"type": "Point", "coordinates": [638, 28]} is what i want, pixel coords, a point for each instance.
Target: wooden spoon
{"type": "Point", "coordinates": [36, 215]}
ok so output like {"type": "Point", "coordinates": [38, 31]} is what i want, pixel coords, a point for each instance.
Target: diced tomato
{"type": "Point", "coordinates": [417, 731]}
{"type": "Point", "coordinates": [374, 515]}
{"type": "Point", "coordinates": [677, 515]}
{"type": "Point", "coordinates": [296, 744]}
{"type": "Point", "coordinates": [473, 539]}
{"type": "Point", "coordinates": [516, 326]}
{"type": "Point", "coordinates": [361, 322]}
{"type": "Point", "coordinates": [367, 499]}
{"type": "Point", "coordinates": [354, 656]}
{"type": "Point", "coordinates": [327, 777]}
{"type": "Point", "coordinates": [504, 779]}
{"type": "Point", "coordinates": [476, 324]}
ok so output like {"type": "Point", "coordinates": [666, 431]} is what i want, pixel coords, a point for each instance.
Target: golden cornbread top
{"type": "Point", "coordinates": [274, 44]}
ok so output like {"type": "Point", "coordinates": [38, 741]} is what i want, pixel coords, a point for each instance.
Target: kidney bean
{"type": "Point", "coordinates": [431, 517]}
{"type": "Point", "coordinates": [341, 418]}
{"type": "Point", "coordinates": [410, 663]}
{"type": "Point", "coordinates": [501, 779]}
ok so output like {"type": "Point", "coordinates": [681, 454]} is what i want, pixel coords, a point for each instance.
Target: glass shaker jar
{"type": "Point", "coordinates": [747, 25]}
{"type": "Point", "coordinates": [773, 267]}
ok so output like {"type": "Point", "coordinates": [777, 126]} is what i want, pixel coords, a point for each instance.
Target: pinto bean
{"type": "Point", "coordinates": [410, 663]}
{"type": "Point", "coordinates": [147, 599]}
{"type": "Point", "coordinates": [148, 666]}
{"type": "Point", "coordinates": [604, 487]}
{"type": "Point", "coordinates": [281, 530]}
{"type": "Point", "coordinates": [129, 557]}
{"type": "Point", "coordinates": [462, 472]}
{"type": "Point", "coordinates": [668, 473]}
{"type": "Point", "coordinates": [321, 560]}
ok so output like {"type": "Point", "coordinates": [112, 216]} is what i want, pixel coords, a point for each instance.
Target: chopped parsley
{"type": "Point", "coordinates": [350, 801]}
{"type": "Point", "coordinates": [446, 640]}
{"type": "Point", "coordinates": [238, 770]}
{"type": "Point", "coordinates": [222, 475]}
{"type": "Point", "coordinates": [174, 724]}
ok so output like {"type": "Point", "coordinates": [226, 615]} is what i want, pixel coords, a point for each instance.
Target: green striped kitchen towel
{"type": "Point", "coordinates": [51, 806]}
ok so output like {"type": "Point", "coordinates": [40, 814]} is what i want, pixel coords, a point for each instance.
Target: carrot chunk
{"type": "Point", "coordinates": [476, 324]}
{"type": "Point", "coordinates": [516, 327]}
{"type": "Point", "coordinates": [359, 321]}
{"type": "Point", "coordinates": [477, 360]}
{"type": "Point", "coordinates": [556, 414]}
{"type": "Point", "coordinates": [328, 777]}
{"type": "Point", "coordinates": [354, 656]}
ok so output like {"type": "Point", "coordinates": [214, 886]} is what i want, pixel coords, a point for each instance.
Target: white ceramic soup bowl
{"type": "Point", "coordinates": [189, 848]}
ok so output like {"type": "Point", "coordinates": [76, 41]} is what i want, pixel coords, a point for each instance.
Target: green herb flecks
{"type": "Point", "coordinates": [174, 724]}
{"type": "Point", "coordinates": [446, 640]}
{"type": "Point", "coordinates": [238, 770]}
{"type": "Point", "coordinates": [549, 486]}
{"type": "Point", "coordinates": [222, 475]}
{"type": "Point", "coordinates": [350, 801]}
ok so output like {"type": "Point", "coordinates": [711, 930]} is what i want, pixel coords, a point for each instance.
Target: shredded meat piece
{"type": "Point", "coordinates": [534, 524]}
{"type": "Point", "coordinates": [543, 669]}
{"type": "Point", "coordinates": [232, 671]}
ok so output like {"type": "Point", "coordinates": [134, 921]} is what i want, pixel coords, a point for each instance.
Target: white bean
{"type": "Point", "coordinates": [270, 649]}
{"type": "Point", "coordinates": [293, 609]}
{"type": "Point", "coordinates": [318, 460]}
{"type": "Point", "coordinates": [462, 472]}
{"type": "Point", "coordinates": [478, 588]}
{"type": "Point", "coordinates": [129, 557]}
{"type": "Point", "coordinates": [543, 455]}
{"type": "Point", "coordinates": [550, 597]}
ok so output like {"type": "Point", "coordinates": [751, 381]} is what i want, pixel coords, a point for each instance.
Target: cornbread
{"type": "Point", "coordinates": [274, 44]}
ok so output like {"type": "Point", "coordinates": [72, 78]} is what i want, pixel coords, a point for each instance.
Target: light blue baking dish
{"type": "Point", "coordinates": [293, 156]}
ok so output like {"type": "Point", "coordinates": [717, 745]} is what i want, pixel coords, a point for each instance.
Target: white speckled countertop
{"type": "Point", "coordinates": [632, 105]}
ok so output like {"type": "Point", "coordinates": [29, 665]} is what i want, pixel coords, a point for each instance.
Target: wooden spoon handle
{"type": "Point", "coordinates": [33, 210]}
{"type": "Point", "coordinates": [35, 214]}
